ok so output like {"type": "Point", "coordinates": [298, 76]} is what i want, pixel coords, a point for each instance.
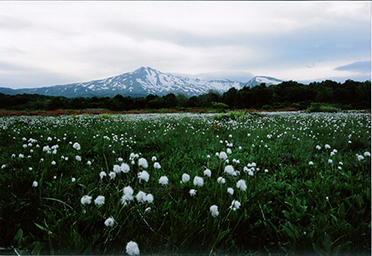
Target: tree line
{"type": "Point", "coordinates": [348, 95]}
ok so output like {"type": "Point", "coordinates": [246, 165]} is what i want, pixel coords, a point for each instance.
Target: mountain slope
{"type": "Point", "coordinates": [142, 82]}
{"type": "Point", "coordinates": [257, 80]}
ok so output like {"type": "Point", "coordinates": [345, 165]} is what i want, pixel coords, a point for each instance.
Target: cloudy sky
{"type": "Point", "coordinates": [50, 43]}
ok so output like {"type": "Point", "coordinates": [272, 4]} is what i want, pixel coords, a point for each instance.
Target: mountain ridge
{"type": "Point", "coordinates": [140, 83]}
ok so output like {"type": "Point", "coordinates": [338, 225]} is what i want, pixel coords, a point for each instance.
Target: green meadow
{"type": "Point", "coordinates": [211, 184]}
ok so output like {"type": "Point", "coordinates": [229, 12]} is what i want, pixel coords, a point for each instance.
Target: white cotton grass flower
{"type": "Point", "coordinates": [126, 198]}
{"type": "Point", "coordinates": [163, 180]}
{"type": "Point", "coordinates": [132, 248]}
{"type": "Point", "coordinates": [326, 146]}
{"type": "Point", "coordinates": [102, 174]}
{"type": "Point", "coordinates": [144, 176]}
{"type": "Point", "coordinates": [78, 158]}
{"type": "Point", "coordinates": [223, 155]}
{"type": "Point", "coordinates": [221, 180]}
{"type": "Point", "coordinates": [198, 181]}
{"type": "Point", "coordinates": [86, 199]}
{"type": "Point", "coordinates": [99, 201]}
{"type": "Point", "coordinates": [141, 196]}
{"type": "Point", "coordinates": [157, 165]}
{"type": "Point", "coordinates": [116, 168]}
{"type": "Point", "coordinates": [230, 191]}
{"type": "Point", "coordinates": [109, 222]}
{"type": "Point", "coordinates": [185, 177]}
{"type": "Point", "coordinates": [241, 185]}
{"type": "Point", "coordinates": [318, 147]}
{"type": "Point", "coordinates": [148, 209]}
{"type": "Point", "coordinates": [112, 175]}
{"type": "Point", "coordinates": [149, 198]}
{"type": "Point", "coordinates": [76, 146]}
{"type": "Point", "coordinates": [330, 161]}
{"type": "Point", "coordinates": [311, 163]}
{"type": "Point", "coordinates": [89, 163]}
{"type": "Point", "coordinates": [192, 192]}
{"type": "Point", "coordinates": [124, 167]}
{"type": "Point", "coordinates": [73, 179]}
{"type": "Point", "coordinates": [142, 163]}
{"type": "Point", "coordinates": [367, 154]}
{"type": "Point", "coordinates": [360, 157]}
{"type": "Point", "coordinates": [228, 151]}
{"type": "Point", "coordinates": [235, 205]}
{"type": "Point", "coordinates": [214, 210]}
{"type": "Point", "coordinates": [207, 172]}
{"type": "Point", "coordinates": [229, 169]}
{"type": "Point", "coordinates": [35, 184]}
{"type": "Point", "coordinates": [128, 190]}
{"type": "Point", "coordinates": [154, 159]}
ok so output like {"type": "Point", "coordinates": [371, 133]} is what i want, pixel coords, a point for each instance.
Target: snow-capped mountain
{"type": "Point", "coordinates": [257, 80]}
{"type": "Point", "coordinates": [142, 82]}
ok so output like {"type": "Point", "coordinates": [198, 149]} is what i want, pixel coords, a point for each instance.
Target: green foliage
{"type": "Point", "coordinates": [319, 107]}
{"type": "Point", "coordinates": [291, 208]}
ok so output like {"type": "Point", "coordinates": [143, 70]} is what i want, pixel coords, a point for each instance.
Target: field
{"type": "Point", "coordinates": [284, 183]}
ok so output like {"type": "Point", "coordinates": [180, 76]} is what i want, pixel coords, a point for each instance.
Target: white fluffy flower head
{"type": "Point", "coordinates": [142, 163]}
{"type": "Point", "coordinates": [185, 177]}
{"type": "Point", "coordinates": [109, 222]}
{"type": "Point", "coordinates": [241, 185]}
{"type": "Point", "coordinates": [163, 180]}
{"type": "Point", "coordinates": [100, 200]}
{"type": "Point", "coordinates": [86, 199]}
{"type": "Point", "coordinates": [214, 210]}
{"type": "Point", "coordinates": [192, 192]}
{"type": "Point", "coordinates": [144, 176]}
{"type": "Point", "coordinates": [198, 181]}
{"type": "Point", "coordinates": [76, 146]}
{"type": "Point", "coordinates": [132, 248]}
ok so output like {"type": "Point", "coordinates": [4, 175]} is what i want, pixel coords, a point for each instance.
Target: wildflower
{"type": "Point", "coordinates": [266, 170]}
{"type": "Point", "coordinates": [221, 180]}
{"type": "Point", "coordinates": [132, 248]}
{"type": "Point", "coordinates": [89, 163]}
{"type": "Point", "coordinates": [235, 205]}
{"type": "Point", "coordinates": [230, 191]}
{"type": "Point", "coordinates": [185, 177]}
{"type": "Point", "coordinates": [126, 198]}
{"type": "Point", "coordinates": [109, 222]}
{"type": "Point", "coordinates": [86, 199]}
{"type": "Point", "coordinates": [330, 161]}
{"type": "Point", "coordinates": [116, 168]}
{"type": "Point", "coordinates": [360, 157]}
{"type": "Point", "coordinates": [100, 200]}
{"type": "Point", "coordinates": [112, 175]}
{"type": "Point", "coordinates": [142, 162]}
{"type": "Point", "coordinates": [35, 184]}
{"type": "Point", "coordinates": [163, 180]}
{"type": "Point", "coordinates": [192, 192]}
{"type": "Point", "coordinates": [124, 168]}
{"type": "Point", "coordinates": [207, 172]}
{"type": "Point", "coordinates": [144, 176]}
{"type": "Point", "coordinates": [367, 154]}
{"type": "Point", "coordinates": [157, 166]}
{"type": "Point", "coordinates": [228, 151]}
{"type": "Point", "coordinates": [141, 196]}
{"type": "Point", "coordinates": [223, 155]}
{"type": "Point", "coordinates": [198, 181]}
{"type": "Point", "coordinates": [154, 159]}
{"type": "Point", "coordinates": [318, 147]}
{"type": "Point", "coordinates": [214, 210]}
{"type": "Point", "coordinates": [241, 185]}
{"type": "Point", "coordinates": [149, 198]}
{"type": "Point", "coordinates": [229, 169]}
{"type": "Point", "coordinates": [147, 209]}
{"type": "Point", "coordinates": [311, 163]}
{"type": "Point", "coordinates": [78, 158]}
{"type": "Point", "coordinates": [326, 146]}
{"type": "Point", "coordinates": [76, 146]}
{"type": "Point", "coordinates": [120, 159]}
{"type": "Point", "coordinates": [102, 174]}
{"type": "Point", "coordinates": [73, 179]}
{"type": "Point", "coordinates": [208, 156]}
{"type": "Point", "coordinates": [128, 190]}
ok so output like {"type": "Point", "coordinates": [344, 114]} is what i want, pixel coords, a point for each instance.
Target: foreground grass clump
{"type": "Point", "coordinates": [183, 183]}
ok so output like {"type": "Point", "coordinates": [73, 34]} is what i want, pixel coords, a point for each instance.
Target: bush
{"type": "Point", "coordinates": [319, 107]}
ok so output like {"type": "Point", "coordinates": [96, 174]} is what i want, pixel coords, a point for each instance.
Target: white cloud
{"type": "Point", "coordinates": [93, 40]}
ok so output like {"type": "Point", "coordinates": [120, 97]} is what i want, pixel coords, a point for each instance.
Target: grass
{"type": "Point", "coordinates": [289, 206]}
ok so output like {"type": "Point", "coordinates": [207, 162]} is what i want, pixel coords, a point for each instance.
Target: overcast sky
{"type": "Point", "coordinates": [50, 43]}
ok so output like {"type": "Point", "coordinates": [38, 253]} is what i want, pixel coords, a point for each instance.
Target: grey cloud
{"type": "Point", "coordinates": [359, 66]}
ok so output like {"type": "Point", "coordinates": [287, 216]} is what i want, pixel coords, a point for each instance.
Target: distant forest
{"type": "Point", "coordinates": [347, 95]}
